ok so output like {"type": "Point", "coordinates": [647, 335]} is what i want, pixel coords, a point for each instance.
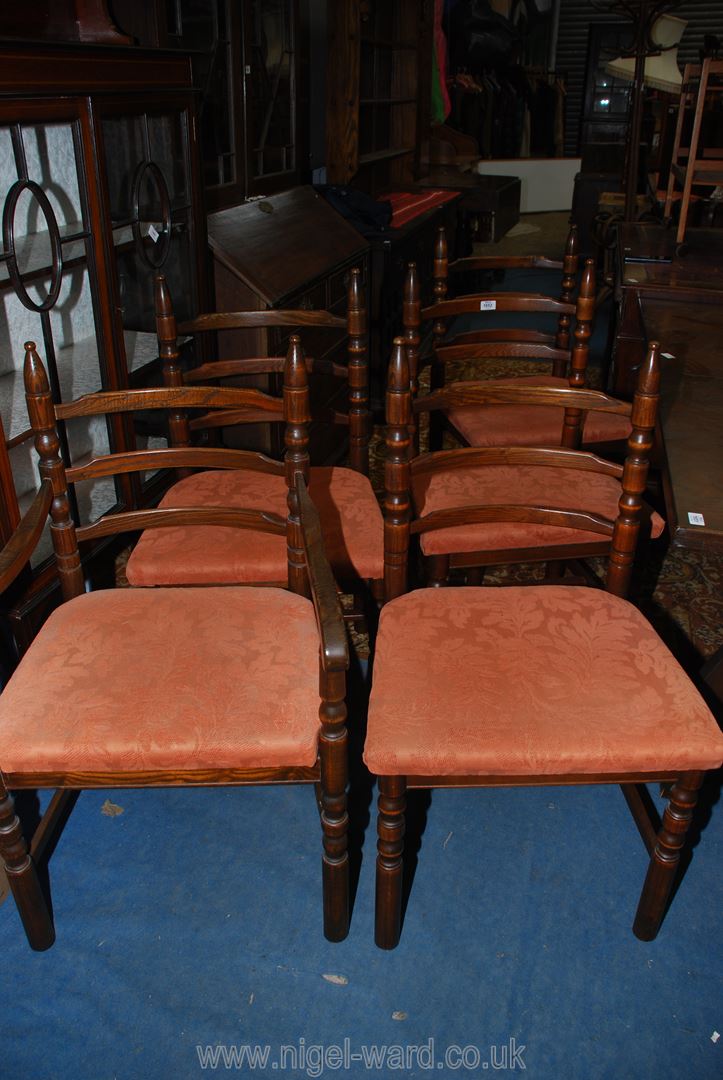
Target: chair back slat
{"type": "Point", "coordinates": [459, 394]}
{"type": "Point", "coordinates": [267, 365]}
{"type": "Point", "coordinates": [251, 320]}
{"type": "Point", "coordinates": [538, 515]}
{"type": "Point", "coordinates": [164, 517]}
{"type": "Point", "coordinates": [202, 457]}
{"type": "Point", "coordinates": [499, 347]}
{"type": "Point", "coordinates": [469, 457]}
{"type": "Point", "coordinates": [124, 401]}
{"type": "Point", "coordinates": [481, 303]}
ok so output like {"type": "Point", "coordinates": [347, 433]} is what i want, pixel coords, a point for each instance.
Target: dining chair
{"type": "Point", "coordinates": [573, 504]}
{"type": "Point", "coordinates": [564, 356]}
{"type": "Point", "coordinates": [568, 267]}
{"type": "Point", "coordinates": [345, 499]}
{"type": "Point", "coordinates": [169, 687]}
{"type": "Point", "coordinates": [530, 685]}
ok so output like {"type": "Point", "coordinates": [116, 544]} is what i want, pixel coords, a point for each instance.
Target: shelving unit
{"type": "Point", "coordinates": [377, 91]}
{"type": "Point", "coordinates": [696, 164]}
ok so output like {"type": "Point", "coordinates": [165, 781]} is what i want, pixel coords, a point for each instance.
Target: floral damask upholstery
{"type": "Point", "coordinates": [530, 680]}
{"type": "Point", "coordinates": [210, 554]}
{"type": "Point", "coordinates": [532, 425]}
{"type": "Point", "coordinates": [536, 485]}
{"type": "Point", "coordinates": [133, 679]}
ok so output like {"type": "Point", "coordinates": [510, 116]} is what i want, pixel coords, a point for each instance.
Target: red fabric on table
{"type": "Point", "coordinates": [406, 205]}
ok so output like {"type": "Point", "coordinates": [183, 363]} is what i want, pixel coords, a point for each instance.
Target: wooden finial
{"type": "Point", "coordinates": [635, 473]}
{"type": "Point", "coordinates": [47, 443]}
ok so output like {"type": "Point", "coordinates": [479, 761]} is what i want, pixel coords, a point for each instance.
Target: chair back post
{"type": "Point", "coordinates": [570, 266]}
{"type": "Point", "coordinates": [358, 374]}
{"type": "Point", "coordinates": [440, 277]}
{"type": "Point", "coordinates": [635, 472]}
{"type": "Point", "coordinates": [47, 444]}
{"type": "Point", "coordinates": [296, 459]}
{"type": "Point", "coordinates": [167, 334]}
{"type": "Point", "coordinates": [397, 494]}
{"type": "Point", "coordinates": [584, 314]}
{"type": "Point", "coordinates": [169, 353]}
{"type": "Point", "coordinates": [412, 321]}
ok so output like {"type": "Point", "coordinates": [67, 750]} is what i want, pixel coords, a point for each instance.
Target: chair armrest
{"type": "Point", "coordinates": [334, 646]}
{"type": "Point", "coordinates": [24, 539]}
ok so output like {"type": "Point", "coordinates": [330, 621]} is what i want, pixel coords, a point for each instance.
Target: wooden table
{"type": "Point", "coordinates": [691, 416]}
{"type": "Point", "coordinates": [648, 268]}
{"type": "Point", "coordinates": [678, 301]}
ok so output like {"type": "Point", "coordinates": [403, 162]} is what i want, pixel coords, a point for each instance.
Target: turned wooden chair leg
{"type": "Point", "coordinates": [23, 877]}
{"type": "Point", "coordinates": [390, 864]}
{"type": "Point", "coordinates": [335, 828]}
{"type": "Point", "coordinates": [666, 856]}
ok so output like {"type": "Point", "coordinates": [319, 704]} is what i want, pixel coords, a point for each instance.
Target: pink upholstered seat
{"type": "Point", "coordinates": [535, 680]}
{"type": "Point", "coordinates": [532, 485]}
{"type": "Point", "coordinates": [531, 425]}
{"type": "Point", "coordinates": [349, 511]}
{"type": "Point", "coordinates": [131, 679]}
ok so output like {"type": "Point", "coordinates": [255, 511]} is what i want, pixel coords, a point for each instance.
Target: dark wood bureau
{"type": "Point", "coordinates": [288, 251]}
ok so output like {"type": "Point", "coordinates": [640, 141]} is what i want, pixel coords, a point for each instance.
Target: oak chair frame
{"type": "Point", "coordinates": [618, 538]}
{"type": "Point", "coordinates": [570, 363]}
{"type": "Point", "coordinates": [355, 373]}
{"type": "Point", "coordinates": [569, 267]}
{"type": "Point", "coordinates": [663, 843]}
{"type": "Point", "coordinates": [309, 575]}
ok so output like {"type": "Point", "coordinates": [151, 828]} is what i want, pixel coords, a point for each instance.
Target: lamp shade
{"type": "Point", "coordinates": [662, 71]}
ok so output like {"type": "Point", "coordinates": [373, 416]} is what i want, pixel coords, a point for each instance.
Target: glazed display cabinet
{"type": "Point", "coordinates": [99, 185]}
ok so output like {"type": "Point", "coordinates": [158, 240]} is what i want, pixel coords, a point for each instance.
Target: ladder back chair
{"type": "Point", "coordinates": [345, 499]}
{"type": "Point", "coordinates": [566, 356]}
{"type": "Point", "coordinates": [568, 266]}
{"type": "Point", "coordinates": [170, 687]}
{"type": "Point", "coordinates": [572, 504]}
{"type": "Point", "coordinates": [530, 685]}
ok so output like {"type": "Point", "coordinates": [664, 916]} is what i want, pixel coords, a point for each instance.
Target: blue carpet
{"type": "Point", "coordinates": [193, 919]}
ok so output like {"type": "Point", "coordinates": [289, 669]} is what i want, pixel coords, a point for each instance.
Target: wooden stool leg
{"type": "Point", "coordinates": [390, 850]}
{"type": "Point", "coordinates": [666, 856]}
{"type": "Point", "coordinates": [23, 877]}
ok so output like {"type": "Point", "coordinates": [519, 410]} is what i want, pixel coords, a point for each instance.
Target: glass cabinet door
{"type": "Point", "coordinates": [47, 292]}
{"type": "Point", "coordinates": [149, 187]}
{"type": "Point", "coordinates": [270, 71]}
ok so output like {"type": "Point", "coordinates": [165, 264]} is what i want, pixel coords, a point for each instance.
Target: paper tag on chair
{"type": "Point", "coordinates": [696, 519]}
{"type": "Point", "coordinates": [487, 305]}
